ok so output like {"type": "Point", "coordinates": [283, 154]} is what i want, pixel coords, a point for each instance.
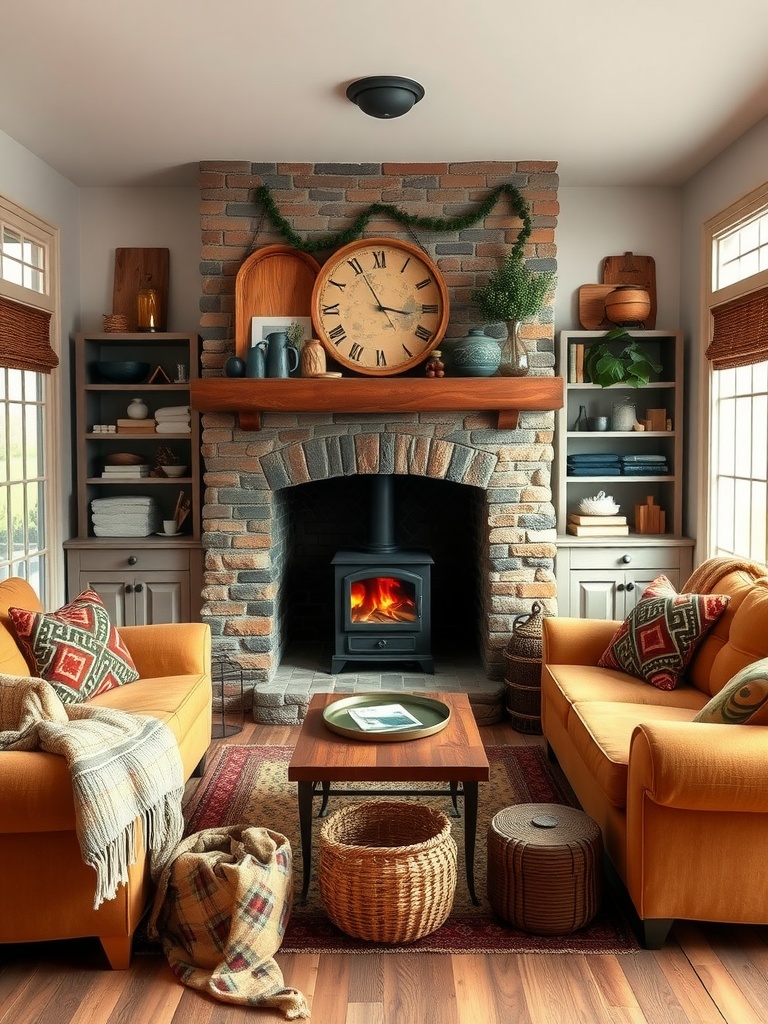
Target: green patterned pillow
{"type": "Point", "coordinates": [76, 649]}
{"type": "Point", "coordinates": [742, 701]}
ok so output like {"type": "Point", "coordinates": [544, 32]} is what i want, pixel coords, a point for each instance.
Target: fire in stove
{"type": "Point", "coordinates": [382, 599]}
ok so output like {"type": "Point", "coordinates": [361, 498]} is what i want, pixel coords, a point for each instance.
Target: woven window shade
{"type": "Point", "coordinates": [740, 335]}
{"type": "Point", "coordinates": [25, 338]}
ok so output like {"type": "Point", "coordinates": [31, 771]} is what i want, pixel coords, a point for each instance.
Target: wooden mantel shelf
{"type": "Point", "coordinates": [249, 397]}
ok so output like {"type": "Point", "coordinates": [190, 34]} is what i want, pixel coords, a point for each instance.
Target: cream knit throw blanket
{"type": "Point", "coordinates": [124, 767]}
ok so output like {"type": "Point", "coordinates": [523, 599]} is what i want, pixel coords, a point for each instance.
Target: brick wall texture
{"type": "Point", "coordinates": [245, 518]}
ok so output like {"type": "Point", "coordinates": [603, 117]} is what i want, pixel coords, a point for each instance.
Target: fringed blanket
{"type": "Point", "coordinates": [709, 573]}
{"type": "Point", "coordinates": [124, 768]}
{"type": "Point", "coordinates": [221, 908]}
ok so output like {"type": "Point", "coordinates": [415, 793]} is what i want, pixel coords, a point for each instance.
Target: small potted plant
{"type": "Point", "coordinates": [513, 294]}
{"type": "Point", "coordinates": [607, 364]}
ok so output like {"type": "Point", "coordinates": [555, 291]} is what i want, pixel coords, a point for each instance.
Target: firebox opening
{"type": "Point", "coordinates": [382, 599]}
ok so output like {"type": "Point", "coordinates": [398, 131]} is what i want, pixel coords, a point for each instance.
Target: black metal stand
{"type": "Point", "coordinates": [228, 698]}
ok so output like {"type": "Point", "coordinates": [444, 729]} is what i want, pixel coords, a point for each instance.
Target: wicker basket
{"type": "Point", "coordinates": [522, 676]}
{"type": "Point", "coordinates": [114, 323]}
{"type": "Point", "coordinates": [387, 870]}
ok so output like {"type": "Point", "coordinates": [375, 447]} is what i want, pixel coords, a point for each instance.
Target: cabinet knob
{"type": "Point", "coordinates": [129, 588]}
{"type": "Point", "coordinates": [630, 586]}
{"type": "Point", "coordinates": [626, 559]}
{"type": "Point", "coordinates": [133, 559]}
{"type": "Point", "coordinates": [381, 643]}
{"type": "Point", "coordinates": [139, 587]}
{"type": "Point", "coordinates": [619, 586]}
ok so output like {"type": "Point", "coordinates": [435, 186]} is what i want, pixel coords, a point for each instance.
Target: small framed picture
{"type": "Point", "coordinates": [262, 326]}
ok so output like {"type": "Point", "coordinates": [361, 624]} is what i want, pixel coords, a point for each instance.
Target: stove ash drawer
{"type": "Point", "coordinates": [398, 644]}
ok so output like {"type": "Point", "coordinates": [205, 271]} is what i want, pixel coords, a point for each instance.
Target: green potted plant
{"type": "Point", "coordinates": [606, 364]}
{"type": "Point", "coordinates": [513, 294]}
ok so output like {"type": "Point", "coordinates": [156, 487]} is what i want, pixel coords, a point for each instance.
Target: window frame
{"type": "Point", "coordinates": [744, 209]}
{"type": "Point", "coordinates": [47, 234]}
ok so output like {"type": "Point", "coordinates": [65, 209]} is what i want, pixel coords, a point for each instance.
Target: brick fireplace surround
{"type": "Point", "coordinates": [251, 477]}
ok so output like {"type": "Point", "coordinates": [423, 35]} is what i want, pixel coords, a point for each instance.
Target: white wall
{"type": "Point", "coordinates": [116, 218]}
{"type": "Point", "coordinates": [34, 185]}
{"type": "Point", "coordinates": [734, 173]}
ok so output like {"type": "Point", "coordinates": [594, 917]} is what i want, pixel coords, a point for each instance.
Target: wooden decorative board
{"type": "Point", "coordinates": [632, 269]}
{"type": "Point", "coordinates": [276, 280]}
{"type": "Point", "coordinates": [592, 306]}
{"type": "Point", "coordinates": [132, 268]}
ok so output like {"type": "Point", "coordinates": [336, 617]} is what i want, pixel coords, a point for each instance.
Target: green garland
{"type": "Point", "coordinates": [355, 230]}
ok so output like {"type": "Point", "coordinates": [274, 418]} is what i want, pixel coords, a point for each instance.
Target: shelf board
{"type": "Point", "coordinates": [114, 436]}
{"type": "Point", "coordinates": [249, 398]}
{"type": "Point", "coordinates": [631, 479]}
{"type": "Point", "coordinates": [650, 386]}
{"type": "Point", "coordinates": [620, 433]}
{"type": "Point", "coordinates": [142, 480]}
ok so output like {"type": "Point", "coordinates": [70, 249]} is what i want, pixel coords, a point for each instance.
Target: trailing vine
{"type": "Point", "coordinates": [356, 228]}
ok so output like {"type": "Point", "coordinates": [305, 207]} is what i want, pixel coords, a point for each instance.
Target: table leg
{"type": "Point", "coordinates": [305, 792]}
{"type": "Point", "coordinates": [470, 828]}
{"type": "Point", "coordinates": [326, 787]}
{"type": "Point", "coordinates": [454, 791]}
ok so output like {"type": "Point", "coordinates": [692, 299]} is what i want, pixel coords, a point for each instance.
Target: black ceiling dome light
{"type": "Point", "coordinates": [385, 96]}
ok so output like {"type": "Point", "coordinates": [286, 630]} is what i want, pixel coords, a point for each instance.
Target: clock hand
{"type": "Point", "coordinates": [378, 302]}
{"type": "Point", "coordinates": [405, 312]}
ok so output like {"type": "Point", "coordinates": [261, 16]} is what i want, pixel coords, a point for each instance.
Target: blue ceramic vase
{"type": "Point", "coordinates": [477, 355]}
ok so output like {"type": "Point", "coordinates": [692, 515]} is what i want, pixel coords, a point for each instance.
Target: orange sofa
{"type": "Point", "coordinates": [46, 891]}
{"type": "Point", "coordinates": [682, 805]}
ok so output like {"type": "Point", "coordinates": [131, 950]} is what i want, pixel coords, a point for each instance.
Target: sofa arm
{"type": "Point", "coordinates": [698, 766]}
{"type": "Point", "coordinates": [575, 641]}
{"type": "Point", "coordinates": [170, 649]}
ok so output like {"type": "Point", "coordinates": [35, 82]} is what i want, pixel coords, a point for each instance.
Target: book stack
{"type": "Point", "coordinates": [128, 426]}
{"type": "Point", "coordinates": [576, 363]}
{"type": "Point", "coordinates": [597, 526]}
{"type": "Point", "coordinates": [124, 472]}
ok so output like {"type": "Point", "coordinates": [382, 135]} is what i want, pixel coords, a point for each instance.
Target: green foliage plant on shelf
{"type": "Point", "coordinates": [629, 366]}
{"type": "Point", "coordinates": [513, 292]}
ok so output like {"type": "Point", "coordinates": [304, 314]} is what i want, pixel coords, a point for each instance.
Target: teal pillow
{"type": "Point", "coordinates": [742, 701]}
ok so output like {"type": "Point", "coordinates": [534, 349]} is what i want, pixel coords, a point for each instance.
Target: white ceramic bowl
{"type": "Point", "coordinates": [175, 470]}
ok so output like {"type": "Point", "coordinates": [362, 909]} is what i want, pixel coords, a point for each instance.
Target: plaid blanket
{"type": "Point", "coordinates": [125, 769]}
{"type": "Point", "coordinates": [221, 907]}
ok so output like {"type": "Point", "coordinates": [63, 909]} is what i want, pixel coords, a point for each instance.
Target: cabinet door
{"type": "Point", "coordinates": [594, 594]}
{"type": "Point", "coordinates": [115, 591]}
{"type": "Point", "coordinates": [635, 583]}
{"type": "Point", "coordinates": [161, 597]}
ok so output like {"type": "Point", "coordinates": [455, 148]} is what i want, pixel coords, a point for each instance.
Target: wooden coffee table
{"type": "Point", "coordinates": [455, 756]}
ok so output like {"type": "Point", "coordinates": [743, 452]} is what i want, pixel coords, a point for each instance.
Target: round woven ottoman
{"type": "Point", "coordinates": [544, 867]}
{"type": "Point", "coordinates": [387, 870]}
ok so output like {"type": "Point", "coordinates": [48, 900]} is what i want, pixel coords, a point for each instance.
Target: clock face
{"type": "Point", "coordinates": [379, 306]}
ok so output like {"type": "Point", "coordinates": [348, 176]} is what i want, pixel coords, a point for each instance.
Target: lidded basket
{"type": "Point", "coordinates": [522, 677]}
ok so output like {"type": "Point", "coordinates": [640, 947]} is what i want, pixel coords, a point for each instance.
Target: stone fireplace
{"type": "Point", "coordinates": [280, 500]}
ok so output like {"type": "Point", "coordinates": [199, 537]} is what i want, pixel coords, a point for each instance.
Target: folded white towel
{"type": "Point", "coordinates": [177, 426]}
{"type": "Point", "coordinates": [132, 501]}
{"type": "Point", "coordinates": [122, 531]}
{"type": "Point", "coordinates": [170, 412]}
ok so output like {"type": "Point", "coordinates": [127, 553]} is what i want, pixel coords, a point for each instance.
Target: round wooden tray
{"type": "Point", "coordinates": [433, 714]}
{"type": "Point", "coordinates": [276, 280]}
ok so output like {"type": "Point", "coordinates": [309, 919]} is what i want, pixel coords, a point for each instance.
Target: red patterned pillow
{"type": "Point", "coordinates": [77, 649]}
{"type": "Point", "coordinates": [660, 636]}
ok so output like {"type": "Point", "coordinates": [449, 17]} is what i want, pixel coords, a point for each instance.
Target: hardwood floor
{"type": "Point", "coordinates": [708, 974]}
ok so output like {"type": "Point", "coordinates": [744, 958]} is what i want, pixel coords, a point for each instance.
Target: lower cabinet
{"type": "Point", "coordinates": [606, 581]}
{"type": "Point", "coordinates": [140, 584]}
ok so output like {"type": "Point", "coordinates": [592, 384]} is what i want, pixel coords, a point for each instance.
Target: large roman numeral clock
{"type": "Point", "coordinates": [379, 306]}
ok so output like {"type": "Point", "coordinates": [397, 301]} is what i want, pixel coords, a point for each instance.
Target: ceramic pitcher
{"type": "Point", "coordinates": [282, 357]}
{"type": "Point", "coordinates": [255, 360]}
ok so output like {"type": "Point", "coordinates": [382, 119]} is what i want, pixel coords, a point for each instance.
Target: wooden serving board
{"type": "Point", "coordinates": [592, 306]}
{"type": "Point", "coordinates": [132, 268]}
{"type": "Point", "coordinates": [632, 269]}
{"type": "Point", "coordinates": [276, 280]}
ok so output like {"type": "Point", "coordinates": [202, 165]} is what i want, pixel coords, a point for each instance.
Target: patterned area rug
{"type": "Point", "coordinates": [249, 785]}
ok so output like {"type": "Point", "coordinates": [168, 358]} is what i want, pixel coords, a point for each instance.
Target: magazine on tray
{"type": "Point", "coordinates": [383, 717]}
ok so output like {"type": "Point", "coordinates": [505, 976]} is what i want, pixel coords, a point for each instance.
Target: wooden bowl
{"type": "Point", "coordinates": [125, 459]}
{"type": "Point", "coordinates": [627, 304]}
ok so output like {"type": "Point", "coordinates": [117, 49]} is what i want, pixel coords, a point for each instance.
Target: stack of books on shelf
{"type": "Point", "coordinates": [576, 363]}
{"type": "Point", "coordinates": [125, 472]}
{"type": "Point", "coordinates": [597, 526]}
{"type": "Point", "coordinates": [128, 426]}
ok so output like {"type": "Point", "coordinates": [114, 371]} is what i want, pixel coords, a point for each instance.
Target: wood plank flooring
{"type": "Point", "coordinates": [706, 974]}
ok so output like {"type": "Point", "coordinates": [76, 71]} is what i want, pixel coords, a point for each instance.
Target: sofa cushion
{"type": "Point", "coordinates": [77, 649]}
{"type": "Point", "coordinates": [14, 592]}
{"type": "Point", "coordinates": [601, 733]}
{"type": "Point", "coordinates": [563, 685]}
{"type": "Point", "coordinates": [747, 640]}
{"type": "Point", "coordinates": [662, 632]}
{"type": "Point", "coordinates": [742, 701]}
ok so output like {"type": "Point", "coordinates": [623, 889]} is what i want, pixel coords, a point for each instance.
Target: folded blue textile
{"type": "Point", "coordinates": [594, 457]}
{"type": "Point", "coordinates": [598, 470]}
{"type": "Point", "coordinates": [643, 458]}
{"type": "Point", "coordinates": [648, 469]}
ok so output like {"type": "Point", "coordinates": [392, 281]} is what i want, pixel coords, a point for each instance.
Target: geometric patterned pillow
{"type": "Point", "coordinates": [76, 649]}
{"type": "Point", "coordinates": [743, 699]}
{"type": "Point", "coordinates": [660, 636]}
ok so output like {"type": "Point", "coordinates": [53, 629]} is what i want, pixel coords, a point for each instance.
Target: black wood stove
{"type": "Point", "coordinates": [382, 594]}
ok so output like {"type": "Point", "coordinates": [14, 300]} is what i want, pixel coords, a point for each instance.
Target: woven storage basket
{"type": "Point", "coordinates": [544, 867]}
{"type": "Point", "coordinates": [387, 870]}
{"type": "Point", "coordinates": [522, 676]}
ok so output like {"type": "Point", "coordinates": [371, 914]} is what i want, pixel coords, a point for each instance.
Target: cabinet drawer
{"type": "Point", "coordinates": [108, 559]}
{"type": "Point", "coordinates": [381, 643]}
{"type": "Point", "coordinates": [614, 558]}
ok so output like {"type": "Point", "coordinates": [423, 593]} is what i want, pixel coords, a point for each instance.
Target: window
{"type": "Point", "coordinates": [28, 397]}
{"type": "Point", "coordinates": [738, 353]}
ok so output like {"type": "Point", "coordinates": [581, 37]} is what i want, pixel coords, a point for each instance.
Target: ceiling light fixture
{"type": "Point", "coordinates": [385, 96]}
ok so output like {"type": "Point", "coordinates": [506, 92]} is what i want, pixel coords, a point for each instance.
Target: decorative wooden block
{"type": "Point", "coordinates": [657, 418]}
{"type": "Point", "coordinates": [650, 517]}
